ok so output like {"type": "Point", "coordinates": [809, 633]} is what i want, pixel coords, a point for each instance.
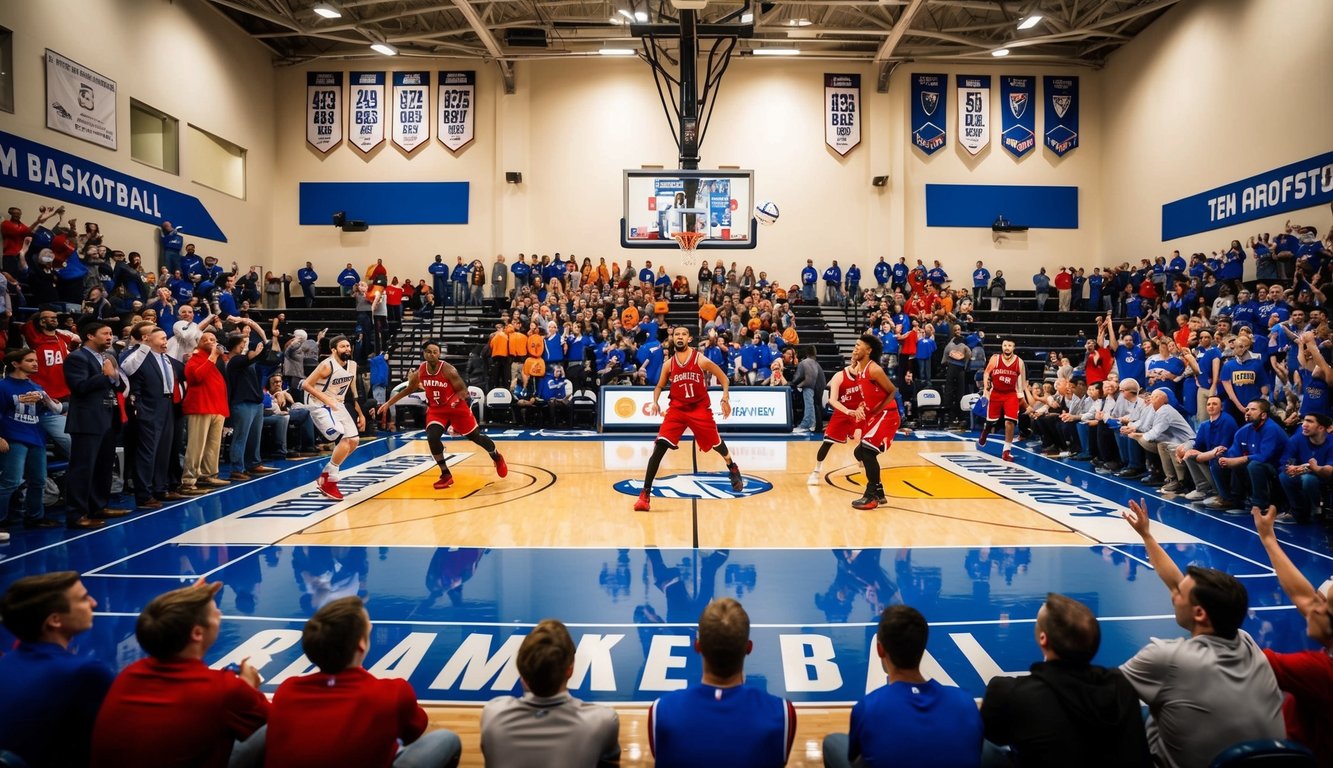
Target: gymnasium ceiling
{"type": "Point", "coordinates": [888, 32]}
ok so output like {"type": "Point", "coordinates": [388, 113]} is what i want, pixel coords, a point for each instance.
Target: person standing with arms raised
{"type": "Point", "coordinates": [687, 373]}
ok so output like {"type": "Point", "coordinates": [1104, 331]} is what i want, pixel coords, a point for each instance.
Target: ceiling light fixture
{"type": "Point", "coordinates": [617, 20]}
{"type": "Point", "coordinates": [747, 18]}
{"type": "Point", "coordinates": [384, 48]}
{"type": "Point", "coordinates": [777, 52]}
{"type": "Point", "coordinates": [326, 11]}
{"type": "Point", "coordinates": [641, 16]}
{"type": "Point", "coordinates": [1030, 21]}
{"type": "Point", "coordinates": [617, 51]}
{"type": "Point", "coordinates": [626, 14]}
{"type": "Point", "coordinates": [1000, 52]}
{"type": "Point", "coordinates": [801, 22]}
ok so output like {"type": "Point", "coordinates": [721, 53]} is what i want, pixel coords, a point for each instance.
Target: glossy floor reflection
{"type": "Point", "coordinates": [453, 580]}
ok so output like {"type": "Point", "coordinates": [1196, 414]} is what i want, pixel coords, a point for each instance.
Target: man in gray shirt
{"type": "Point", "coordinates": [1168, 430]}
{"type": "Point", "coordinates": [499, 278]}
{"type": "Point", "coordinates": [810, 381]}
{"type": "Point", "coordinates": [1212, 689]}
{"type": "Point", "coordinates": [547, 726]}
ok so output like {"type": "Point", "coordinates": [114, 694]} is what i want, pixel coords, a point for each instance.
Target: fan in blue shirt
{"type": "Point", "coordinates": [911, 720]}
{"type": "Point", "coordinates": [882, 272]}
{"type": "Point", "coordinates": [899, 273]}
{"type": "Point", "coordinates": [1242, 377]}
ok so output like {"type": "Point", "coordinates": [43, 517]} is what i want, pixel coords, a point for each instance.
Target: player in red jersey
{"type": "Point", "coordinates": [1003, 383]}
{"type": "Point", "coordinates": [848, 412]}
{"type": "Point", "coordinates": [447, 408]}
{"type": "Point", "coordinates": [881, 420]}
{"type": "Point", "coordinates": [688, 407]}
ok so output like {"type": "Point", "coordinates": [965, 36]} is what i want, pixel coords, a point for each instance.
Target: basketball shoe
{"type": "Point", "coordinates": [813, 479]}
{"type": "Point", "coordinates": [868, 501]}
{"type": "Point", "coordinates": [444, 482]}
{"type": "Point", "coordinates": [501, 468]}
{"type": "Point", "coordinates": [737, 482]}
{"type": "Point", "coordinates": [642, 504]}
{"type": "Point", "coordinates": [879, 494]}
{"type": "Point", "coordinates": [985, 431]}
{"type": "Point", "coordinates": [329, 487]}
{"type": "Point", "coordinates": [1006, 455]}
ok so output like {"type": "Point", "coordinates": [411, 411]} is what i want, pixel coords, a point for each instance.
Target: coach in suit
{"type": "Point", "coordinates": [93, 424]}
{"type": "Point", "coordinates": [155, 387]}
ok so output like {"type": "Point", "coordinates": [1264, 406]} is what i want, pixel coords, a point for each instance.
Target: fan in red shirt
{"type": "Point", "coordinates": [1003, 383]}
{"type": "Point", "coordinates": [1306, 676]}
{"type": "Point", "coordinates": [687, 371]}
{"type": "Point", "coordinates": [342, 714]}
{"type": "Point", "coordinates": [447, 409]}
{"type": "Point", "coordinates": [170, 709]}
{"type": "Point", "coordinates": [14, 232]}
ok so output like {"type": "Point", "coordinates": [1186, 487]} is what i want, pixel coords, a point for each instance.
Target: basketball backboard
{"type": "Point", "coordinates": [718, 203]}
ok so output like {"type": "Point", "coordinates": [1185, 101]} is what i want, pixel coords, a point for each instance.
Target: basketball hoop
{"type": "Point", "coordinates": [688, 241]}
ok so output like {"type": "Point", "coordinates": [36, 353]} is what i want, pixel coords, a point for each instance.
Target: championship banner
{"type": "Point", "coordinates": [324, 123]}
{"type": "Point", "coordinates": [930, 101]}
{"type": "Point", "coordinates": [842, 123]}
{"type": "Point", "coordinates": [411, 97]}
{"type": "Point", "coordinates": [1061, 95]}
{"type": "Point", "coordinates": [366, 105]}
{"type": "Point", "coordinates": [1018, 118]}
{"type": "Point", "coordinates": [79, 101]}
{"type": "Point", "coordinates": [974, 112]}
{"type": "Point", "coordinates": [458, 95]}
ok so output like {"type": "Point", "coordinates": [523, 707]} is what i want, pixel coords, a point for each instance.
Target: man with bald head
{"type": "Point", "coordinates": [1168, 431]}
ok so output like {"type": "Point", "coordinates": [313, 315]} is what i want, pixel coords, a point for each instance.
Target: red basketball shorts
{"type": "Point", "coordinates": [1002, 406]}
{"type": "Point", "coordinates": [460, 419]}
{"type": "Point", "coordinates": [841, 427]}
{"type": "Point", "coordinates": [699, 421]}
{"type": "Point", "coordinates": [878, 434]}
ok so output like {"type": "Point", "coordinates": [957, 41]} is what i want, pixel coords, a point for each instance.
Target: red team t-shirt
{"type": "Point", "coordinates": [444, 406]}
{"type": "Point", "coordinates": [689, 406]}
{"type": "Point", "coordinates": [840, 425]}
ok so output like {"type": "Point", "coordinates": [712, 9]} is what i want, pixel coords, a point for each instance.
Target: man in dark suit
{"type": "Point", "coordinates": [93, 424]}
{"type": "Point", "coordinates": [155, 385]}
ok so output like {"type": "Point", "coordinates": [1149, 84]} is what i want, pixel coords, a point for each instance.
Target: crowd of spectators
{"type": "Point", "coordinates": [1204, 692]}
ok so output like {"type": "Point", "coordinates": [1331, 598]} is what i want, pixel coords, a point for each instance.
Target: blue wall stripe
{"type": "Point", "coordinates": [388, 202]}
{"type": "Point", "coordinates": [978, 205]}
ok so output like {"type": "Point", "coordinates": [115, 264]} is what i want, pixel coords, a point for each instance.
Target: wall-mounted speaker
{"type": "Point", "coordinates": [880, 181]}
{"type": "Point", "coordinates": [513, 177]}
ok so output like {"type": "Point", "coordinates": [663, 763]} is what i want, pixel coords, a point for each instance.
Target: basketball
{"type": "Point", "coordinates": [766, 212]}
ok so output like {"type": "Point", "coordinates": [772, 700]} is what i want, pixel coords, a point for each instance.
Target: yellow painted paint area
{"type": "Point", "coordinates": [923, 483]}
{"type": "Point", "coordinates": [422, 486]}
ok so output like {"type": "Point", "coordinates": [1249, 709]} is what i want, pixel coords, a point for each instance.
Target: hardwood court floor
{"type": "Point", "coordinates": [562, 494]}
{"type": "Point", "coordinates": [812, 724]}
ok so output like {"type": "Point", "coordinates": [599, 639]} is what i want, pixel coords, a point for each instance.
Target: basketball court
{"type": "Point", "coordinates": [453, 579]}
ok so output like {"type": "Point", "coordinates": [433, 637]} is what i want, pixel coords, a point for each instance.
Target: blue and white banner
{"type": "Point", "coordinates": [323, 109]}
{"type": "Point", "coordinates": [458, 114]}
{"type": "Point", "coordinates": [411, 102]}
{"type": "Point", "coordinates": [1289, 188]}
{"type": "Point", "coordinates": [842, 116]}
{"type": "Point", "coordinates": [40, 170]}
{"type": "Point", "coordinates": [930, 101]}
{"type": "Point", "coordinates": [974, 112]}
{"type": "Point", "coordinates": [1018, 113]}
{"type": "Point", "coordinates": [1061, 121]}
{"type": "Point", "coordinates": [366, 105]}
{"type": "Point", "coordinates": [79, 101]}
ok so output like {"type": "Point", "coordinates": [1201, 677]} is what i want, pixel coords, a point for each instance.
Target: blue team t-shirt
{"type": "Point", "coordinates": [1129, 364]}
{"type": "Point", "coordinates": [20, 422]}
{"type": "Point", "coordinates": [740, 727]}
{"type": "Point", "coordinates": [916, 724]}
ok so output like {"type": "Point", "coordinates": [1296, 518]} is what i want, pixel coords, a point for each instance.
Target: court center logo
{"type": "Point", "coordinates": [696, 485]}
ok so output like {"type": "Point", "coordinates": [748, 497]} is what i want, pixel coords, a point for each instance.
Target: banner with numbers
{"type": "Point", "coordinates": [411, 101]}
{"type": "Point", "coordinates": [842, 116]}
{"type": "Point", "coordinates": [1018, 113]}
{"type": "Point", "coordinates": [323, 101]}
{"type": "Point", "coordinates": [930, 101]}
{"type": "Point", "coordinates": [458, 116]}
{"type": "Point", "coordinates": [974, 112]}
{"type": "Point", "coordinates": [366, 104]}
{"type": "Point", "coordinates": [1061, 94]}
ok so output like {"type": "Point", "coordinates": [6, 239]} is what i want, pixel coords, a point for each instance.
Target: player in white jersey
{"type": "Point", "coordinates": [326, 388]}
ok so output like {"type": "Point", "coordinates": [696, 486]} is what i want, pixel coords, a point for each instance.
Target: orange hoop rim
{"type": "Point", "coordinates": [688, 240]}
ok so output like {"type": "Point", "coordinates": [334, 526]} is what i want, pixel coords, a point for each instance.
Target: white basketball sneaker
{"type": "Point", "coordinates": [813, 479]}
